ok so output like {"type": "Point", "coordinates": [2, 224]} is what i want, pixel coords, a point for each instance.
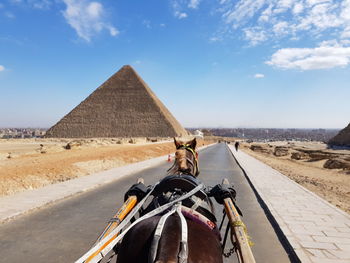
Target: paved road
{"type": "Point", "coordinates": [64, 231]}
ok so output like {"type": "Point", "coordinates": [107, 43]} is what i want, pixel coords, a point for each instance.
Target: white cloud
{"type": "Point", "coordinates": [2, 68]}
{"type": "Point", "coordinates": [298, 8]}
{"type": "Point", "coordinates": [285, 3]}
{"type": "Point", "coordinates": [281, 28]}
{"type": "Point", "coordinates": [255, 35]}
{"type": "Point", "coordinates": [329, 54]}
{"type": "Point", "coordinates": [259, 76]}
{"type": "Point", "coordinates": [214, 39]}
{"type": "Point", "coordinates": [180, 15]}
{"type": "Point", "coordinates": [181, 8]}
{"type": "Point", "coordinates": [194, 4]}
{"type": "Point", "coordinates": [112, 30]}
{"type": "Point", "coordinates": [314, 2]}
{"type": "Point", "coordinates": [242, 11]}
{"type": "Point", "coordinates": [87, 18]}
{"type": "Point", "coordinates": [266, 14]}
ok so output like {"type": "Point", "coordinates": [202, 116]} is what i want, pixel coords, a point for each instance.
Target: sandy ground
{"type": "Point", "coordinates": [332, 185]}
{"type": "Point", "coordinates": [26, 164]}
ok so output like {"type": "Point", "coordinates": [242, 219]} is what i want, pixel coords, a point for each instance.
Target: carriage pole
{"type": "Point", "coordinates": [128, 205]}
{"type": "Point", "coordinates": [238, 229]}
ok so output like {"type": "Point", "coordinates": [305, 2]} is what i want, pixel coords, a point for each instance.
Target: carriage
{"type": "Point", "coordinates": [173, 220]}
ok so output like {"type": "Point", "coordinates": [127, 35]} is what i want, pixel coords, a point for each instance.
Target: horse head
{"type": "Point", "coordinates": [186, 158]}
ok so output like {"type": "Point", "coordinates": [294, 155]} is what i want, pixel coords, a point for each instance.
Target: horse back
{"type": "Point", "coordinates": [203, 245]}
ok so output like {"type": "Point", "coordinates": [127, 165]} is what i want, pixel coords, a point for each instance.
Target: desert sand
{"type": "Point", "coordinates": [332, 185]}
{"type": "Point", "coordinates": [28, 164]}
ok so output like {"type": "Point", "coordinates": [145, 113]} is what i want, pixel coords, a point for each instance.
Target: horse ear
{"type": "Point", "coordinates": [177, 143]}
{"type": "Point", "coordinates": [193, 143]}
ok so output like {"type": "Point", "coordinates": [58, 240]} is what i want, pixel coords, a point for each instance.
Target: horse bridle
{"type": "Point", "coordinates": [195, 157]}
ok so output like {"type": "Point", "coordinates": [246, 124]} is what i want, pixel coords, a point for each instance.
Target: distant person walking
{"type": "Point", "coordinates": [237, 146]}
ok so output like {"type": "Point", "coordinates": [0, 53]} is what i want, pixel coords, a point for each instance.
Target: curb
{"type": "Point", "coordinates": [270, 216]}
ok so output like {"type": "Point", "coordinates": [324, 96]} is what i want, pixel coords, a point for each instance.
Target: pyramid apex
{"type": "Point", "coordinates": [127, 67]}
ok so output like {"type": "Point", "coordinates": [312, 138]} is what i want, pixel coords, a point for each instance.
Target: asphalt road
{"type": "Point", "coordinates": [64, 231]}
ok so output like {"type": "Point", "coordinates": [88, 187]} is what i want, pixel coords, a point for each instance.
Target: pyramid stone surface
{"type": "Point", "coordinates": [123, 106]}
{"type": "Point", "coordinates": [342, 138]}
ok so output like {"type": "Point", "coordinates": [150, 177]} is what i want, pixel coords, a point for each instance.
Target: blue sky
{"type": "Point", "coordinates": [214, 63]}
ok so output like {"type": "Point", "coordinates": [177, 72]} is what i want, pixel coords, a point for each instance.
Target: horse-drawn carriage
{"type": "Point", "coordinates": [173, 220]}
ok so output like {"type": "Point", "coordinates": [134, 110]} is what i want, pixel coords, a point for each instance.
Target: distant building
{"type": "Point", "coordinates": [198, 134]}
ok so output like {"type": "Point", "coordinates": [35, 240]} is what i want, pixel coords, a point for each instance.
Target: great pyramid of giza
{"type": "Point", "coordinates": [123, 106]}
{"type": "Point", "coordinates": [342, 138]}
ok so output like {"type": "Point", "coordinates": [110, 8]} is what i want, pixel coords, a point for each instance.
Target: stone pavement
{"type": "Point", "coordinates": [22, 202]}
{"type": "Point", "coordinates": [317, 231]}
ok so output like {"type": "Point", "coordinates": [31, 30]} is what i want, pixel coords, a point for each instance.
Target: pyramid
{"type": "Point", "coordinates": [342, 138]}
{"type": "Point", "coordinates": [123, 106]}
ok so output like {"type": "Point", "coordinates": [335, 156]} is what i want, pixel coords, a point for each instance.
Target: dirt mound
{"type": "Point", "coordinates": [337, 163]}
{"type": "Point", "coordinates": [299, 156]}
{"type": "Point", "coordinates": [260, 148]}
{"type": "Point", "coordinates": [281, 151]}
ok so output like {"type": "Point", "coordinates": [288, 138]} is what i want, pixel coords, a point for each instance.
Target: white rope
{"type": "Point", "coordinates": [183, 255]}
{"type": "Point", "coordinates": [197, 202]}
{"type": "Point", "coordinates": [158, 234]}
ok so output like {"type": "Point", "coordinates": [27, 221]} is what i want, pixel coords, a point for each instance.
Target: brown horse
{"type": "Point", "coordinates": [203, 243]}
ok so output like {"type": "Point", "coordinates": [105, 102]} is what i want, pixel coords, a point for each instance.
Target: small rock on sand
{"type": "Point", "coordinates": [73, 144]}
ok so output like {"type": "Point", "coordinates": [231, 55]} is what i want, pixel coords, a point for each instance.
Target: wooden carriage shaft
{"type": "Point", "coordinates": [237, 228]}
{"type": "Point", "coordinates": [119, 216]}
